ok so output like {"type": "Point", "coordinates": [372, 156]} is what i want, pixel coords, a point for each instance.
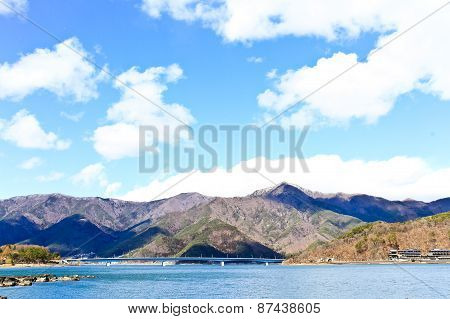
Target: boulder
{"type": "Point", "coordinates": [8, 282]}
{"type": "Point", "coordinates": [28, 280]}
{"type": "Point", "coordinates": [24, 281]}
{"type": "Point", "coordinates": [41, 278]}
{"type": "Point", "coordinates": [69, 278]}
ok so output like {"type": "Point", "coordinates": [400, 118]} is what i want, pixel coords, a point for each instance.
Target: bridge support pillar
{"type": "Point", "coordinates": [222, 263]}
{"type": "Point", "coordinates": [162, 264]}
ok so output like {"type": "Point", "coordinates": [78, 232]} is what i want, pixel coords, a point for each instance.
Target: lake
{"type": "Point", "coordinates": [240, 281]}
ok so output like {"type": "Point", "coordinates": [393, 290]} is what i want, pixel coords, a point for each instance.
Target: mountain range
{"type": "Point", "coordinates": [276, 221]}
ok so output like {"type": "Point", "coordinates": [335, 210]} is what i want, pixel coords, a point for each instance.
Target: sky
{"type": "Point", "coordinates": [78, 78]}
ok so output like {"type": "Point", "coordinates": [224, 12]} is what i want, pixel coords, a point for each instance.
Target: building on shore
{"type": "Point", "coordinates": [415, 254]}
{"type": "Point", "coordinates": [411, 253]}
{"type": "Point", "coordinates": [439, 254]}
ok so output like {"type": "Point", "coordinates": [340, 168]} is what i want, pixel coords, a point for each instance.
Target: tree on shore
{"type": "Point", "coordinates": [26, 254]}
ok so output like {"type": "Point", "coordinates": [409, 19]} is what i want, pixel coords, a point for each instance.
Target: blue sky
{"type": "Point", "coordinates": [394, 124]}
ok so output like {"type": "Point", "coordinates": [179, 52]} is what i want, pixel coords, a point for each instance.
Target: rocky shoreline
{"type": "Point", "coordinates": [12, 281]}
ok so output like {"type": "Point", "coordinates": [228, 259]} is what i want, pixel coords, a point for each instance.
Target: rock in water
{"type": "Point", "coordinates": [28, 280]}
{"type": "Point", "coordinates": [24, 281]}
{"type": "Point", "coordinates": [53, 279]}
{"type": "Point", "coordinates": [8, 282]}
{"type": "Point", "coordinates": [41, 278]}
{"type": "Point", "coordinates": [69, 278]}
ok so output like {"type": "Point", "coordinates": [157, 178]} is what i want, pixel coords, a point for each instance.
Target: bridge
{"type": "Point", "coordinates": [162, 260]}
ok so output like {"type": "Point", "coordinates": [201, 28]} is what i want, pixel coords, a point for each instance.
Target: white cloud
{"type": "Point", "coordinates": [51, 177]}
{"type": "Point", "coordinates": [18, 5]}
{"type": "Point", "coordinates": [121, 138]}
{"type": "Point", "coordinates": [395, 178]}
{"type": "Point", "coordinates": [418, 60]}
{"type": "Point", "coordinates": [116, 141]}
{"type": "Point", "coordinates": [255, 59]}
{"type": "Point", "coordinates": [31, 163]}
{"type": "Point", "coordinates": [371, 89]}
{"type": "Point", "coordinates": [24, 130]}
{"type": "Point", "coordinates": [95, 175]}
{"type": "Point", "coordinates": [91, 174]}
{"type": "Point", "coordinates": [187, 10]}
{"type": "Point", "coordinates": [272, 74]}
{"type": "Point", "coordinates": [75, 117]}
{"type": "Point", "coordinates": [237, 20]}
{"type": "Point", "coordinates": [60, 71]}
{"type": "Point", "coordinates": [112, 188]}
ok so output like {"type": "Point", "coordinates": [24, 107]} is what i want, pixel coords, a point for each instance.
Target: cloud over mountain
{"type": "Point", "coordinates": [394, 178]}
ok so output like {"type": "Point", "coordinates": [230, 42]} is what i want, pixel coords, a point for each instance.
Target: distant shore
{"type": "Point", "coordinates": [83, 264]}
{"type": "Point", "coordinates": [370, 262]}
{"type": "Point", "coordinates": [30, 265]}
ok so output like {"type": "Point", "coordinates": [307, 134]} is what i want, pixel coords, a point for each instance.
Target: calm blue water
{"type": "Point", "coordinates": [240, 281]}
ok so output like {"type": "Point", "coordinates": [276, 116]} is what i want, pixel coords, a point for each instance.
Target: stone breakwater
{"type": "Point", "coordinates": [12, 281]}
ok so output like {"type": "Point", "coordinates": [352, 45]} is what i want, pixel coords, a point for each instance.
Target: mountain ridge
{"type": "Point", "coordinates": [284, 219]}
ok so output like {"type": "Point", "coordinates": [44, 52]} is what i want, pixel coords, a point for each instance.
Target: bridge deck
{"type": "Point", "coordinates": [179, 259]}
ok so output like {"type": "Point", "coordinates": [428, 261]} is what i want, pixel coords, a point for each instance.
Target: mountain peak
{"type": "Point", "coordinates": [284, 187]}
{"type": "Point", "coordinates": [289, 194]}
{"type": "Point", "coordinates": [189, 195]}
{"type": "Point", "coordinates": [281, 187]}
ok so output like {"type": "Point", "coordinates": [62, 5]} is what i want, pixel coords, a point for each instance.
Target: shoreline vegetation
{"type": "Point", "coordinates": [372, 243]}
{"type": "Point", "coordinates": [27, 254]}
{"type": "Point", "coordinates": [368, 262]}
